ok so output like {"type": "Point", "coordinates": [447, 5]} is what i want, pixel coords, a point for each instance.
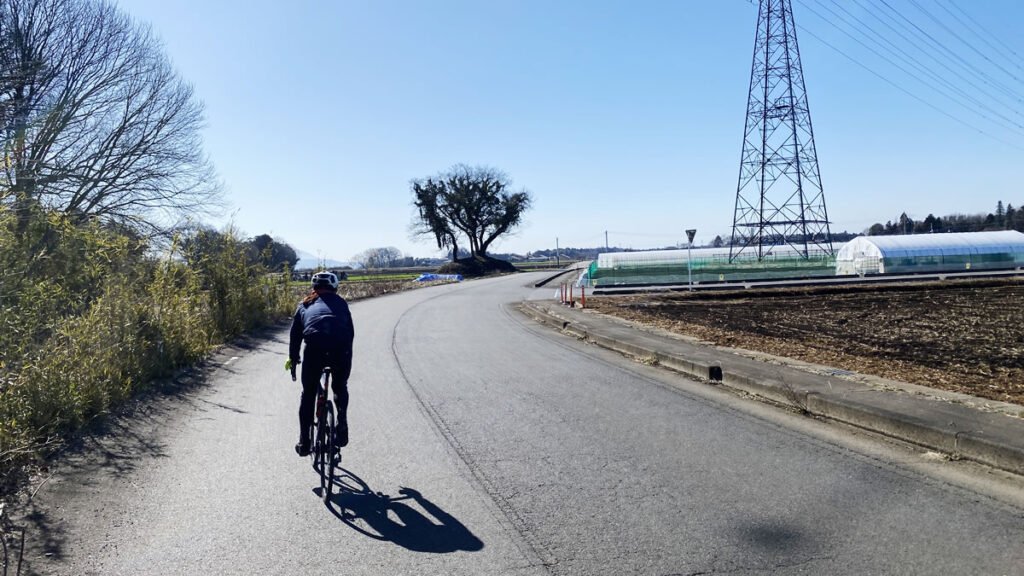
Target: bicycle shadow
{"type": "Point", "coordinates": [409, 520]}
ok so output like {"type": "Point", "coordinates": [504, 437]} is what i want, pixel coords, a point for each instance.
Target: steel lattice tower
{"type": "Point", "coordinates": [779, 198]}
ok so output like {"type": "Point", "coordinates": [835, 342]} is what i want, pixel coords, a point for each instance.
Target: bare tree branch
{"type": "Point", "coordinates": [95, 120]}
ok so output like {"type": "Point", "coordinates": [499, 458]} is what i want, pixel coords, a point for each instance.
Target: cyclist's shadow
{"type": "Point", "coordinates": [373, 514]}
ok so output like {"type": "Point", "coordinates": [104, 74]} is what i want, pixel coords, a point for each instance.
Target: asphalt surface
{"type": "Point", "coordinates": [961, 426]}
{"type": "Point", "coordinates": [527, 452]}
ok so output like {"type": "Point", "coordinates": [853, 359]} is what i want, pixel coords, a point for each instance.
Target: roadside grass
{"type": "Point", "coordinates": [382, 277]}
{"type": "Point", "coordinates": [126, 339]}
{"type": "Point", "coordinates": [353, 278]}
{"type": "Point", "coordinates": [93, 315]}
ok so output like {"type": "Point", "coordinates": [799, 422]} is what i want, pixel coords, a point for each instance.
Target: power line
{"type": "Point", "coordinates": [994, 105]}
{"type": "Point", "coordinates": [967, 66]}
{"type": "Point", "coordinates": [984, 35]}
{"type": "Point", "coordinates": [943, 86]}
{"type": "Point", "coordinates": [675, 235]}
{"type": "Point", "coordinates": [965, 42]}
{"type": "Point", "coordinates": [912, 26]}
{"type": "Point", "coordinates": [909, 93]}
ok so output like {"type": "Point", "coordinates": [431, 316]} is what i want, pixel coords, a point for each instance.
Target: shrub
{"type": "Point", "coordinates": [90, 316]}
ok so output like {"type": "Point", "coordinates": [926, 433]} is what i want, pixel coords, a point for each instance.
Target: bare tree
{"type": "Point", "coordinates": [378, 257]}
{"type": "Point", "coordinates": [474, 201]}
{"type": "Point", "coordinates": [95, 120]}
{"type": "Point", "coordinates": [389, 256]}
{"type": "Point", "coordinates": [366, 258]}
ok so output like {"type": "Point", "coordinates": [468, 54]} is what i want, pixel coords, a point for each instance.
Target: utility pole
{"type": "Point", "coordinates": [779, 197]}
{"type": "Point", "coordinates": [557, 261]}
{"type": "Point", "coordinates": [606, 241]}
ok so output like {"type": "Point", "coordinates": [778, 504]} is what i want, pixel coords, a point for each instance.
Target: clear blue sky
{"type": "Point", "coordinates": [615, 115]}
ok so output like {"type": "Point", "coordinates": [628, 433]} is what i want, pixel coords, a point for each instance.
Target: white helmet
{"type": "Point", "coordinates": [324, 280]}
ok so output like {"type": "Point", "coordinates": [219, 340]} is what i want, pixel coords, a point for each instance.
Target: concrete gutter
{"type": "Point", "coordinates": [957, 425]}
{"type": "Point", "coordinates": [813, 281]}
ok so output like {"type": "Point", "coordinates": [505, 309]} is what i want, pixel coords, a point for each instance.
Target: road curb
{"type": "Point", "coordinates": [550, 278]}
{"type": "Point", "coordinates": [952, 428]}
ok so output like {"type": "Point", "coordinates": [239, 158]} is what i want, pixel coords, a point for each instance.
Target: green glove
{"type": "Point", "coordinates": [288, 364]}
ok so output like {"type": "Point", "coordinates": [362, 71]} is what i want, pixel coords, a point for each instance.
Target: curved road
{"type": "Point", "coordinates": [485, 444]}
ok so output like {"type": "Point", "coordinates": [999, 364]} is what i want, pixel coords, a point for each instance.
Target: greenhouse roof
{"type": "Point", "coordinates": [1002, 241]}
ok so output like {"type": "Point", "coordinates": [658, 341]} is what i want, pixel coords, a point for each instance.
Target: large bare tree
{"type": "Point", "coordinates": [95, 120]}
{"type": "Point", "coordinates": [474, 201]}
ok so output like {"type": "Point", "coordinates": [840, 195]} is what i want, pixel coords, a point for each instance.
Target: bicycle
{"type": "Point", "coordinates": [324, 453]}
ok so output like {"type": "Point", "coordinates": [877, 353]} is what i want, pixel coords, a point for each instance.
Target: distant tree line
{"type": "Point", "coordinates": [836, 238]}
{"type": "Point", "coordinates": [1004, 218]}
{"type": "Point", "coordinates": [391, 257]}
{"type": "Point", "coordinates": [567, 252]}
{"type": "Point", "coordinates": [592, 253]}
{"type": "Point", "coordinates": [262, 250]}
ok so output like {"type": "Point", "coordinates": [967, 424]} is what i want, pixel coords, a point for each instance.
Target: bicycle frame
{"type": "Point", "coordinates": [322, 435]}
{"type": "Point", "coordinates": [321, 395]}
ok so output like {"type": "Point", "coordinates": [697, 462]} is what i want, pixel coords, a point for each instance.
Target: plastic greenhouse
{"type": "Point", "coordinates": [951, 252]}
{"type": "Point", "coordinates": [709, 265]}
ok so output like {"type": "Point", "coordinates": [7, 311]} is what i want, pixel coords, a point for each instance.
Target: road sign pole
{"type": "Point", "coordinates": [689, 268]}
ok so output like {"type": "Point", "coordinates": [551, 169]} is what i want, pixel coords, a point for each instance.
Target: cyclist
{"type": "Point", "coordinates": [324, 322]}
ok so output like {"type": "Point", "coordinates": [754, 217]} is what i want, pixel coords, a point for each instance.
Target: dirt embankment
{"type": "Point", "coordinates": [960, 336]}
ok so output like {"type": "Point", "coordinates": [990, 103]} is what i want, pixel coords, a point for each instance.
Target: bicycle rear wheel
{"type": "Point", "coordinates": [327, 464]}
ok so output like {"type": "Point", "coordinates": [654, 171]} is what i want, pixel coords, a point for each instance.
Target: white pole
{"type": "Point", "coordinates": [689, 269]}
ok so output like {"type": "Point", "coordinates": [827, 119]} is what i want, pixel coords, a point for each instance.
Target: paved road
{"type": "Point", "coordinates": [527, 453]}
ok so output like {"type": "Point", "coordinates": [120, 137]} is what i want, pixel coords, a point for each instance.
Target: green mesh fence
{"type": "Point", "coordinates": [713, 269]}
{"type": "Point", "coordinates": [953, 262]}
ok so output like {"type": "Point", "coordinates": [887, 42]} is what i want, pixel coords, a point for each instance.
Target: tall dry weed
{"type": "Point", "coordinates": [88, 317]}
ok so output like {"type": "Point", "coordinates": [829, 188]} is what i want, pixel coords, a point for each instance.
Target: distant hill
{"type": "Point", "coordinates": [309, 261]}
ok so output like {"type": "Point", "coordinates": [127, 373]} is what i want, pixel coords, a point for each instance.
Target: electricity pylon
{"type": "Point", "coordinates": [779, 198]}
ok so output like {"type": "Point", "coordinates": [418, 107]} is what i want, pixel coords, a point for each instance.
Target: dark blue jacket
{"type": "Point", "coordinates": [325, 323]}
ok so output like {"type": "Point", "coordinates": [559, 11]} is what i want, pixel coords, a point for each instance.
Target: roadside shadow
{"type": "Point", "coordinates": [778, 537]}
{"type": "Point", "coordinates": [409, 520]}
{"type": "Point", "coordinates": [112, 447]}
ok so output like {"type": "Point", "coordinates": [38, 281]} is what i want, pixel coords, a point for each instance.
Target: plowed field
{"type": "Point", "coordinates": [962, 336]}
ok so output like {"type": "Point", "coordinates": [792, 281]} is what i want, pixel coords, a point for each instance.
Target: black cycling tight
{"type": "Point", "coordinates": [313, 362]}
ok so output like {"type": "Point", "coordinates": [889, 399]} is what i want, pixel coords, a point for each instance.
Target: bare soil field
{"type": "Point", "coordinates": [962, 336]}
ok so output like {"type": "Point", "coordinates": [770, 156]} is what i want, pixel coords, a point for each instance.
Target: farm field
{"type": "Point", "coordinates": [961, 336]}
{"type": "Point", "coordinates": [368, 288]}
{"type": "Point", "coordinates": [353, 277]}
